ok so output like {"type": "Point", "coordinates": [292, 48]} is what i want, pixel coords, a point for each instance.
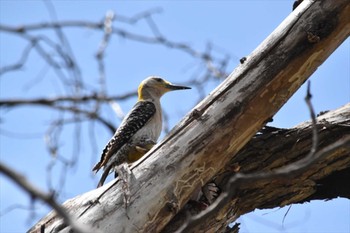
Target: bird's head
{"type": "Point", "coordinates": [154, 87]}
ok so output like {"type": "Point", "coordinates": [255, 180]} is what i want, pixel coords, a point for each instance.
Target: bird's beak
{"type": "Point", "coordinates": [173, 87]}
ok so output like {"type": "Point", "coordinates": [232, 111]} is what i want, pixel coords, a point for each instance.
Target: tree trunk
{"type": "Point", "coordinates": [211, 135]}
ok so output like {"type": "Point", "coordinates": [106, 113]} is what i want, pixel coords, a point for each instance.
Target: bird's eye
{"type": "Point", "coordinates": [158, 79]}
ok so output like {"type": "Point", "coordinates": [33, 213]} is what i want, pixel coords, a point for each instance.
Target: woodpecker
{"type": "Point", "coordinates": [140, 129]}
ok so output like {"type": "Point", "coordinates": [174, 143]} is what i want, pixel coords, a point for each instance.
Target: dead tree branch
{"type": "Point", "coordinates": [64, 99]}
{"type": "Point", "coordinates": [286, 172]}
{"type": "Point", "coordinates": [72, 104]}
{"type": "Point", "coordinates": [48, 198]}
{"type": "Point", "coordinates": [266, 152]}
{"type": "Point", "coordinates": [209, 137]}
{"type": "Point", "coordinates": [273, 149]}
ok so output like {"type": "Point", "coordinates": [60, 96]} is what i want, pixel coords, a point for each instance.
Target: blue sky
{"type": "Point", "coordinates": [236, 27]}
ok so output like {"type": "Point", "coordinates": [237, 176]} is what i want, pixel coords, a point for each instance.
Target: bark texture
{"type": "Point", "coordinates": [211, 135]}
{"type": "Point", "coordinates": [274, 148]}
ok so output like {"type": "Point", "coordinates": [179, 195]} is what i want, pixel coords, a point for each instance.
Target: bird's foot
{"type": "Point", "coordinates": [145, 146]}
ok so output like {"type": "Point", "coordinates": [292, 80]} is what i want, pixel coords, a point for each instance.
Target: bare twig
{"type": "Point", "coordinates": [140, 16]}
{"type": "Point", "coordinates": [60, 103]}
{"type": "Point", "coordinates": [217, 66]}
{"type": "Point", "coordinates": [54, 100]}
{"type": "Point", "coordinates": [18, 65]}
{"type": "Point", "coordinates": [14, 207]}
{"type": "Point", "coordinates": [48, 198]}
{"type": "Point", "coordinates": [108, 29]}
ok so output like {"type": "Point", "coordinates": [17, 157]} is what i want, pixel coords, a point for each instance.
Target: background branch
{"type": "Point", "coordinates": [48, 198]}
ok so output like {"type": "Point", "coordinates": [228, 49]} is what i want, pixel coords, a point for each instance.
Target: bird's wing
{"type": "Point", "coordinates": [135, 120]}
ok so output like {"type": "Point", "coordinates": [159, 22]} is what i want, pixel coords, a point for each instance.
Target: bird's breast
{"type": "Point", "coordinates": [152, 129]}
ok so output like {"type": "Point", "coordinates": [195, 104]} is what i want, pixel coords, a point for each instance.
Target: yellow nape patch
{"type": "Point", "coordinates": [139, 91]}
{"type": "Point", "coordinates": [137, 152]}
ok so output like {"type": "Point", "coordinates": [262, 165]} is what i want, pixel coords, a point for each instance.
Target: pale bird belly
{"type": "Point", "coordinates": [145, 139]}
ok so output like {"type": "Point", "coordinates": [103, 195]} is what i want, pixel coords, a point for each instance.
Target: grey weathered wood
{"type": "Point", "coordinates": [275, 148]}
{"type": "Point", "coordinates": [217, 128]}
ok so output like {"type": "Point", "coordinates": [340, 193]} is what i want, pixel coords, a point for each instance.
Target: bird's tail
{"type": "Point", "coordinates": [104, 174]}
{"type": "Point", "coordinates": [97, 167]}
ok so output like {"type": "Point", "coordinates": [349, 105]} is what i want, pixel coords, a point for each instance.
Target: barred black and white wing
{"type": "Point", "coordinates": [139, 115]}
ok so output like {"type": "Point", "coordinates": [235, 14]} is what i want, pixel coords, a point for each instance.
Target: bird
{"type": "Point", "coordinates": [139, 130]}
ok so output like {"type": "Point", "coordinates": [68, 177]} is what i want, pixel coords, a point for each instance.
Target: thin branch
{"type": "Point", "coordinates": [14, 207]}
{"type": "Point", "coordinates": [48, 198]}
{"type": "Point", "coordinates": [54, 100]}
{"type": "Point", "coordinates": [59, 103]}
{"type": "Point", "coordinates": [78, 23]}
{"type": "Point", "coordinates": [136, 18]}
{"type": "Point", "coordinates": [108, 28]}
{"type": "Point", "coordinates": [92, 115]}
{"type": "Point", "coordinates": [18, 65]}
{"type": "Point", "coordinates": [313, 119]}
{"type": "Point", "coordinates": [155, 38]}
{"type": "Point", "coordinates": [66, 52]}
